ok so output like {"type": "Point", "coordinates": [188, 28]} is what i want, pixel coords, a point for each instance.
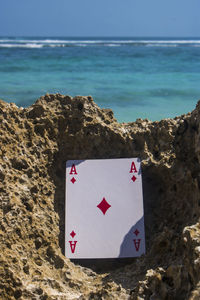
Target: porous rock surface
{"type": "Point", "coordinates": [35, 143]}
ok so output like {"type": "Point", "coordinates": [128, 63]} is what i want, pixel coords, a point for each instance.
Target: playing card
{"type": "Point", "coordinates": [104, 208]}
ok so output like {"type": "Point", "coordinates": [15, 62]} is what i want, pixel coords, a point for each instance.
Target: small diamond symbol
{"type": "Point", "coordinates": [72, 234]}
{"type": "Point", "coordinates": [134, 178]}
{"type": "Point", "coordinates": [104, 206]}
{"type": "Point", "coordinates": [73, 180]}
{"type": "Point", "coordinates": [136, 232]}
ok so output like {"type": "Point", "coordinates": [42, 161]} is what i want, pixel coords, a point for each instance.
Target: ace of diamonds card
{"type": "Point", "coordinates": [104, 209]}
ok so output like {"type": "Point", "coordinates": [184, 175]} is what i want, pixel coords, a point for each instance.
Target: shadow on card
{"type": "Point", "coordinates": [76, 162]}
{"type": "Point", "coordinates": [133, 246]}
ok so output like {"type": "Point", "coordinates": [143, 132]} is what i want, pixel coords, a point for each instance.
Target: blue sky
{"type": "Point", "coordinates": [100, 18]}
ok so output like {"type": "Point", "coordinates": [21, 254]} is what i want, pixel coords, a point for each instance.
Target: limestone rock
{"type": "Point", "coordinates": [36, 142]}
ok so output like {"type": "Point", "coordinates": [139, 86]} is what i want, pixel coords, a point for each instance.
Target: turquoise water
{"type": "Point", "coordinates": [136, 77]}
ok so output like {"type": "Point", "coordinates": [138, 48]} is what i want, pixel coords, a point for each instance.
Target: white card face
{"type": "Point", "coordinates": [104, 209]}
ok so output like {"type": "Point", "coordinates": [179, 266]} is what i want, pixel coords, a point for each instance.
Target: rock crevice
{"type": "Point", "coordinates": [35, 144]}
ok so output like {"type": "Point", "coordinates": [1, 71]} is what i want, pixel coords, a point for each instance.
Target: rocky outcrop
{"type": "Point", "coordinates": [36, 142]}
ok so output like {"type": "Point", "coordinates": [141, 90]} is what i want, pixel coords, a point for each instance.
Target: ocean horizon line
{"type": "Point", "coordinates": [100, 36]}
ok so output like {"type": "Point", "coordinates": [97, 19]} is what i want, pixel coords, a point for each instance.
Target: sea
{"type": "Point", "coordinates": [152, 78]}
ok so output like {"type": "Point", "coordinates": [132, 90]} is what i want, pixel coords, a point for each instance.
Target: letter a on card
{"type": "Point", "coordinates": [104, 209]}
{"type": "Point", "coordinates": [73, 245]}
{"type": "Point", "coordinates": [133, 167]}
{"type": "Point", "coordinates": [137, 244]}
{"type": "Point", "coordinates": [73, 170]}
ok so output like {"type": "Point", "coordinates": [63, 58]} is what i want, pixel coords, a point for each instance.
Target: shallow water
{"type": "Point", "coordinates": [136, 77]}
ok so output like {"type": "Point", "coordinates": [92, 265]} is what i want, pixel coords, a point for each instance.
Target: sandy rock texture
{"type": "Point", "coordinates": [36, 142]}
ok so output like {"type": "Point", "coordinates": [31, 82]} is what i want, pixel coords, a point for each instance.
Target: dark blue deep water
{"type": "Point", "coordinates": [136, 77]}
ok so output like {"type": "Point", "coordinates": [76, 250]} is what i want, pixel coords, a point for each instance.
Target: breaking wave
{"type": "Point", "coordinates": [52, 43]}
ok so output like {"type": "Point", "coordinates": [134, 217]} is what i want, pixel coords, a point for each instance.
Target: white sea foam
{"type": "Point", "coordinates": [20, 46]}
{"type": "Point", "coordinates": [40, 43]}
{"type": "Point", "coordinates": [112, 45]}
{"type": "Point", "coordinates": [172, 42]}
{"type": "Point", "coordinates": [161, 45]}
{"type": "Point", "coordinates": [53, 45]}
